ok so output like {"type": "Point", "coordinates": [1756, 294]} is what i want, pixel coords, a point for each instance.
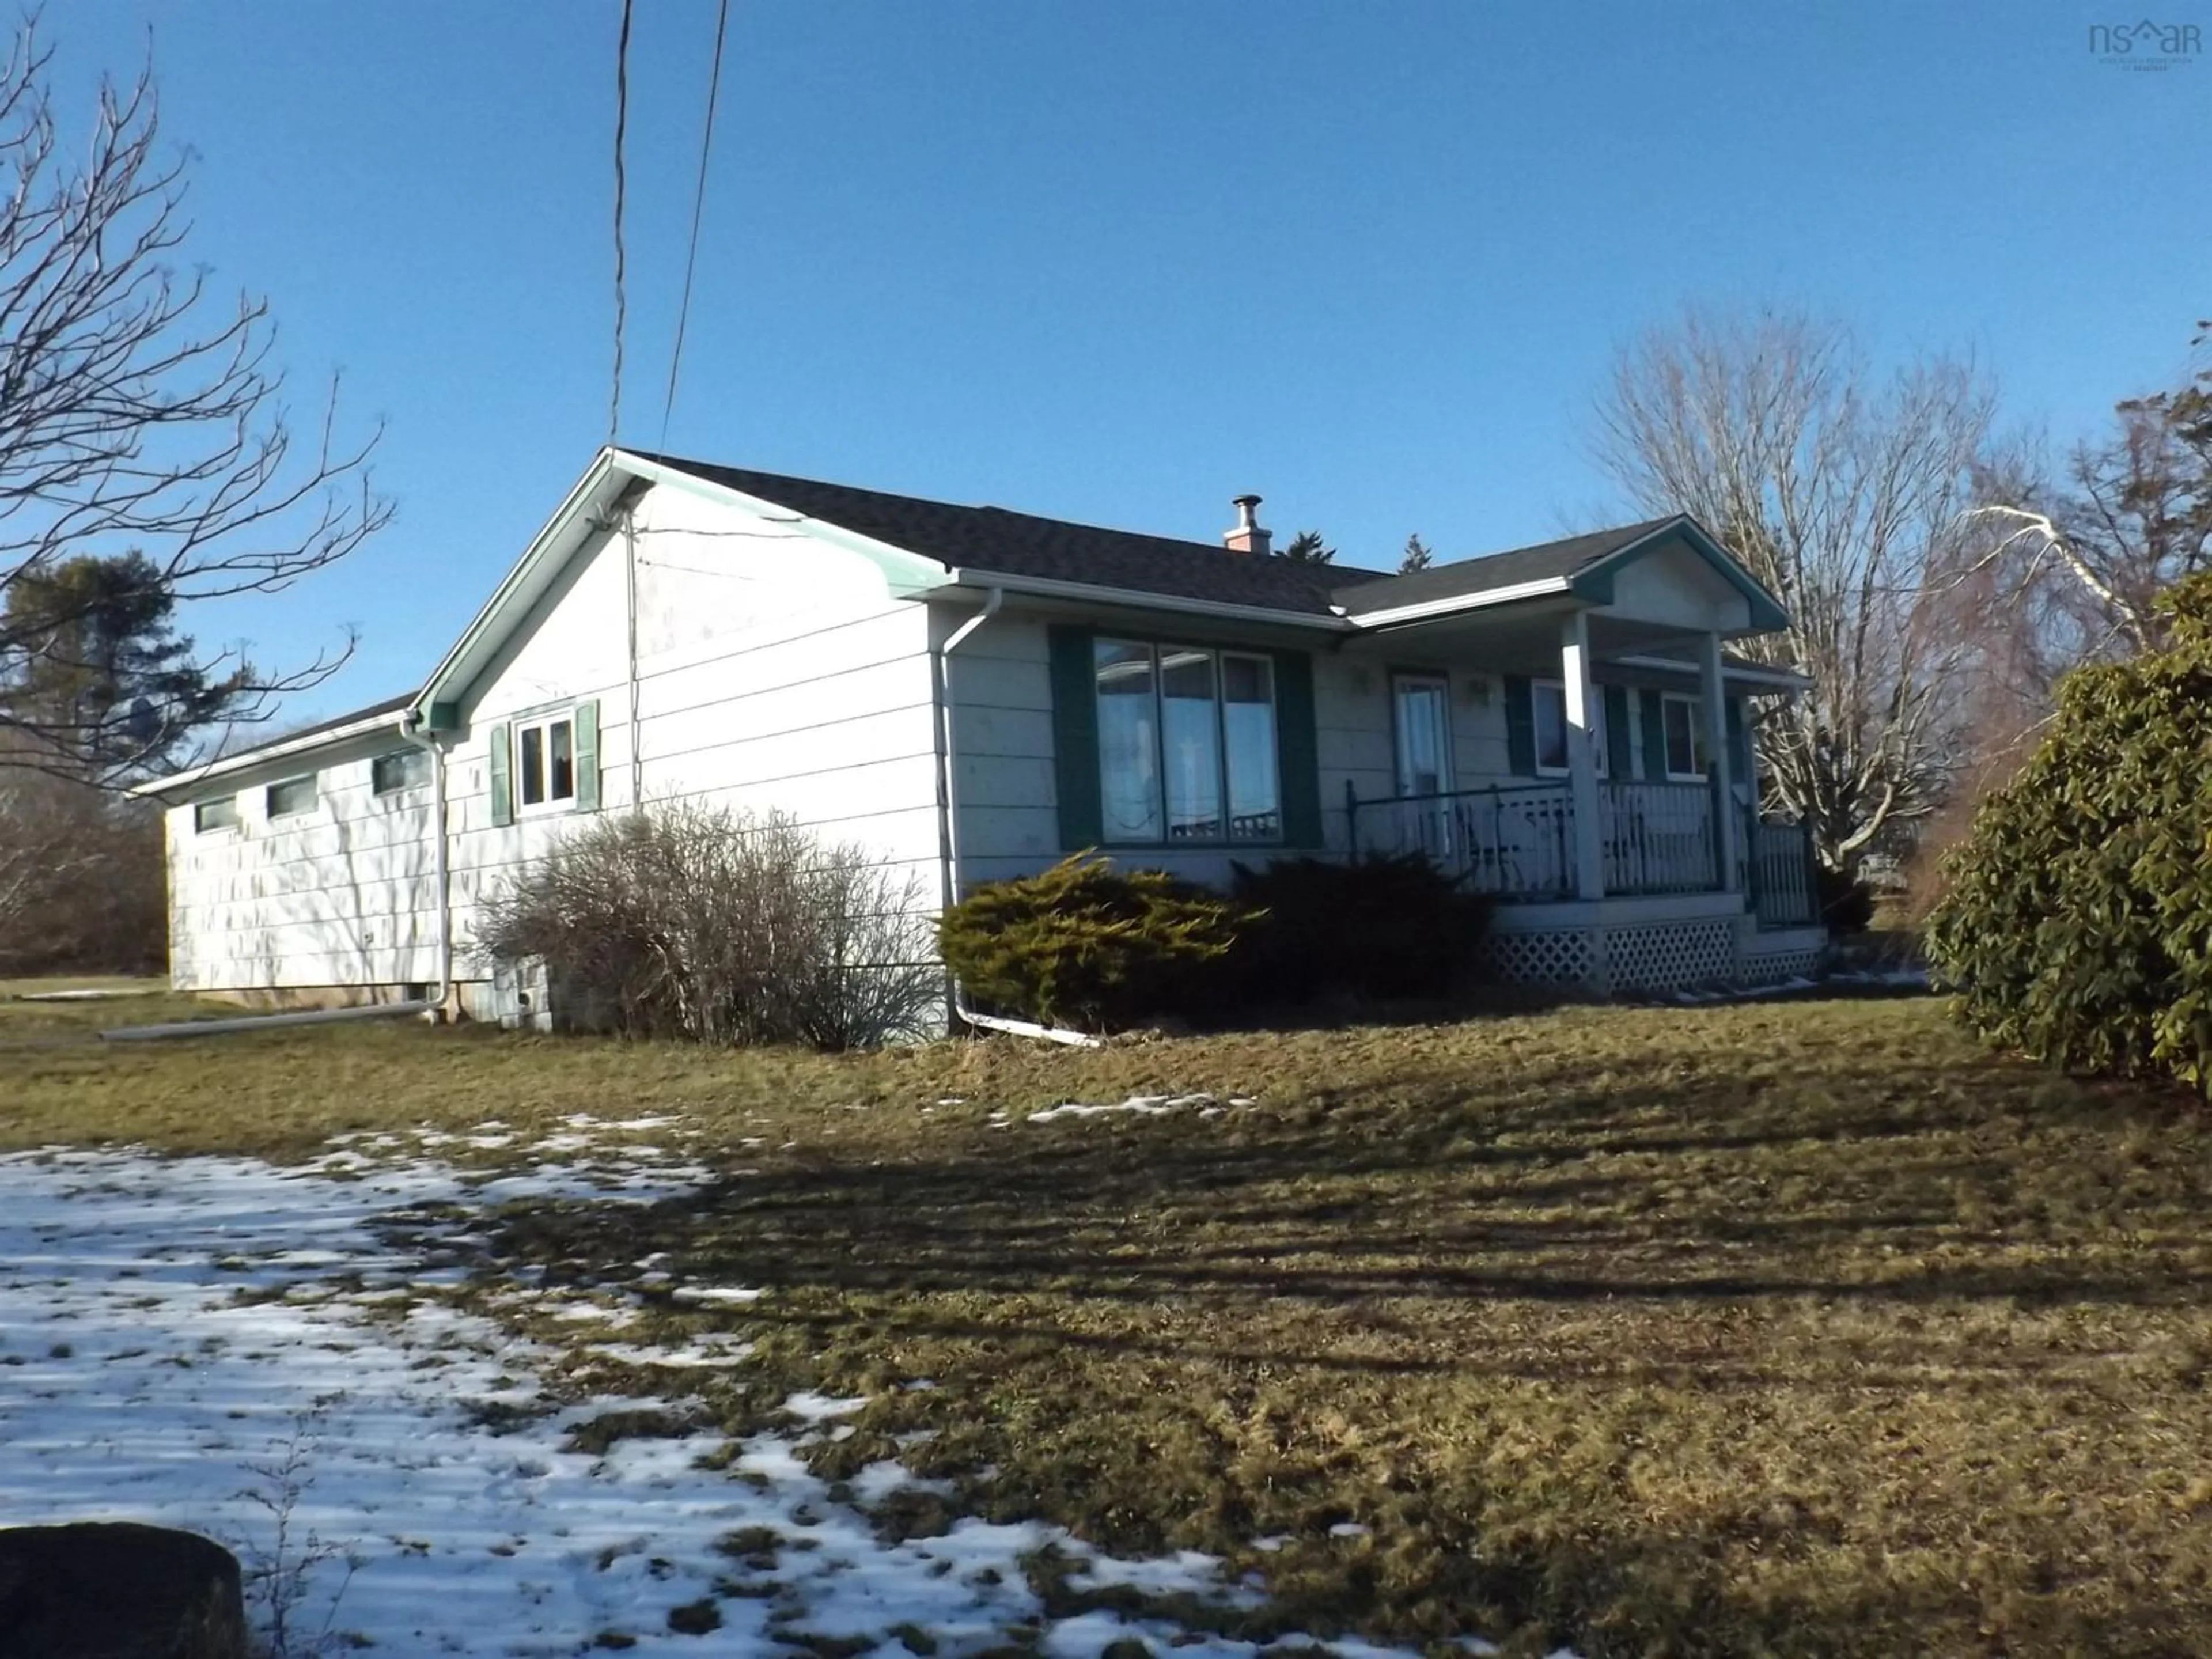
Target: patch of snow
{"type": "Point", "coordinates": [180, 1339]}
{"type": "Point", "coordinates": [1143, 1105]}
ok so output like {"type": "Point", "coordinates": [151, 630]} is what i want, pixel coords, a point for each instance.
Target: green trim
{"type": "Point", "coordinates": [1075, 737]}
{"type": "Point", "coordinates": [1520, 726]}
{"type": "Point", "coordinates": [442, 717]}
{"type": "Point", "coordinates": [502, 776]}
{"type": "Point", "coordinates": [1593, 582]}
{"type": "Point", "coordinates": [1297, 756]}
{"type": "Point", "coordinates": [585, 735]}
{"type": "Point", "coordinates": [1616, 731]}
{"type": "Point", "coordinates": [1655, 736]}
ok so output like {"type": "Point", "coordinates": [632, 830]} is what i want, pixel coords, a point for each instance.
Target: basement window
{"type": "Point", "coordinates": [403, 768]}
{"type": "Point", "coordinates": [215, 814]}
{"type": "Point", "coordinates": [292, 796]}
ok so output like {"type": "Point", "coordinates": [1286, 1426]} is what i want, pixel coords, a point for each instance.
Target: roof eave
{"type": "Point", "coordinates": [395, 719]}
{"type": "Point", "coordinates": [1454, 604]}
{"type": "Point", "coordinates": [1593, 581]}
{"type": "Point", "coordinates": [1139, 598]}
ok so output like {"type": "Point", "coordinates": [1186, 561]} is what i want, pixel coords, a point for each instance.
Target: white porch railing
{"type": "Point", "coordinates": [1778, 874]}
{"type": "Point", "coordinates": [1517, 841]}
{"type": "Point", "coordinates": [1658, 838]}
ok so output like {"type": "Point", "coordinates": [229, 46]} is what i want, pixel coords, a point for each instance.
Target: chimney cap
{"type": "Point", "coordinates": [1247, 507]}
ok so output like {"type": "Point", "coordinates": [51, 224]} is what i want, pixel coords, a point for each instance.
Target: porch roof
{"type": "Point", "coordinates": [1580, 568]}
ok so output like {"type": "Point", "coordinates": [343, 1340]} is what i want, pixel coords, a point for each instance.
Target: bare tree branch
{"type": "Point", "coordinates": [136, 415]}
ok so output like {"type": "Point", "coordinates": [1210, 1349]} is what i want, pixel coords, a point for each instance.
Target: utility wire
{"type": "Point", "coordinates": [698, 208]}
{"type": "Point", "coordinates": [621, 304]}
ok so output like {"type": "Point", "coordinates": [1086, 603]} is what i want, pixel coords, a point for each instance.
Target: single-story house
{"type": "Point", "coordinates": [975, 693]}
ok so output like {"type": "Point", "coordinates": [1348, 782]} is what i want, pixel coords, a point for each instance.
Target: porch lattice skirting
{"type": "Point", "coordinates": [1628, 959]}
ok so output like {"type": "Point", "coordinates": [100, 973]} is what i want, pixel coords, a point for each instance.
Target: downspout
{"type": "Point", "coordinates": [409, 731]}
{"type": "Point", "coordinates": [948, 821]}
{"type": "Point", "coordinates": [629, 600]}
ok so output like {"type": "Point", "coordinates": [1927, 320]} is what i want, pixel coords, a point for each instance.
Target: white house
{"type": "Point", "coordinates": [973, 693]}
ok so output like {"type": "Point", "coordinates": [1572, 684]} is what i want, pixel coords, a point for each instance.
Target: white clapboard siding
{"type": "Point", "coordinates": [343, 894]}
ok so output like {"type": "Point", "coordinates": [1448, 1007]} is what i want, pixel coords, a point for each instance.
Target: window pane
{"type": "Point", "coordinates": [292, 795]}
{"type": "Point", "coordinates": [1682, 744]}
{"type": "Point", "coordinates": [1551, 728]}
{"type": "Point", "coordinates": [1248, 717]}
{"type": "Point", "coordinates": [215, 814]}
{"type": "Point", "coordinates": [560, 741]}
{"type": "Point", "coordinates": [402, 769]}
{"type": "Point", "coordinates": [1129, 742]}
{"type": "Point", "coordinates": [1191, 722]}
{"type": "Point", "coordinates": [532, 765]}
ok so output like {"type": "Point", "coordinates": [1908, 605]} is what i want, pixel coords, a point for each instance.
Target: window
{"type": "Point", "coordinates": [215, 814]}
{"type": "Point", "coordinates": [1550, 698]}
{"type": "Point", "coordinates": [545, 763]}
{"type": "Point", "coordinates": [1186, 744]}
{"type": "Point", "coordinates": [1684, 734]}
{"type": "Point", "coordinates": [403, 768]}
{"type": "Point", "coordinates": [292, 796]}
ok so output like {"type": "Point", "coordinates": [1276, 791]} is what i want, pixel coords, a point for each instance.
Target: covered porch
{"type": "Point", "coordinates": [1628, 770]}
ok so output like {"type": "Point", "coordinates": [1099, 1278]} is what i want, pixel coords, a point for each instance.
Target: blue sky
{"type": "Point", "coordinates": [1120, 262]}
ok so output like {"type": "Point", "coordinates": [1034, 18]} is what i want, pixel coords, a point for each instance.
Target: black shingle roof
{"type": "Point", "coordinates": [1022, 544]}
{"type": "Point", "coordinates": [994, 539]}
{"type": "Point", "coordinates": [1495, 570]}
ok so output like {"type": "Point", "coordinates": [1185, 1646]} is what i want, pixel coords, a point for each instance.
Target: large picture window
{"type": "Point", "coordinates": [1186, 744]}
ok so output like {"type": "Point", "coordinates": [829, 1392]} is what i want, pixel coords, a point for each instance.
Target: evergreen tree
{"type": "Point", "coordinates": [96, 675]}
{"type": "Point", "coordinates": [1305, 548]}
{"type": "Point", "coordinates": [1417, 556]}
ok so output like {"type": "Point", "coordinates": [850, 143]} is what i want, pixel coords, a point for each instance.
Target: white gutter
{"type": "Point", "coordinates": [1457, 603]}
{"type": "Point", "coordinates": [948, 832]}
{"type": "Point", "coordinates": [1130, 598]}
{"type": "Point", "coordinates": [304, 744]}
{"type": "Point", "coordinates": [434, 1003]}
{"type": "Point", "coordinates": [1783, 679]}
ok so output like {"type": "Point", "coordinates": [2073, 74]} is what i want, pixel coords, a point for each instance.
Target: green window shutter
{"type": "Point", "coordinates": [1616, 732]}
{"type": "Point", "coordinates": [1739, 740]}
{"type": "Point", "coordinates": [502, 777]}
{"type": "Point", "coordinates": [1520, 726]}
{"type": "Point", "coordinates": [1075, 738]}
{"type": "Point", "coordinates": [1297, 753]}
{"type": "Point", "coordinates": [1655, 737]}
{"type": "Point", "coordinates": [588, 756]}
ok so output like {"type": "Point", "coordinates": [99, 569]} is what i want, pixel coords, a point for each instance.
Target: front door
{"type": "Point", "coordinates": [1422, 719]}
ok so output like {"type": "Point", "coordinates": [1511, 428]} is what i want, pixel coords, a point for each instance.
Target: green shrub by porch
{"type": "Point", "coordinates": [1392, 929]}
{"type": "Point", "coordinates": [1086, 945]}
{"type": "Point", "coordinates": [2076, 923]}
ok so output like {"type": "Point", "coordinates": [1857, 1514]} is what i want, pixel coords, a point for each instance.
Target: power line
{"type": "Point", "coordinates": [698, 208]}
{"type": "Point", "coordinates": [622, 123]}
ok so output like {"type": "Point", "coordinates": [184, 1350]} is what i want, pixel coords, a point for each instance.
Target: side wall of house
{"type": "Point", "coordinates": [774, 672]}
{"type": "Point", "coordinates": [342, 894]}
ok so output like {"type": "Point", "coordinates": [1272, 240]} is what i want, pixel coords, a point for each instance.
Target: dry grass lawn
{"type": "Point", "coordinates": [1794, 1328]}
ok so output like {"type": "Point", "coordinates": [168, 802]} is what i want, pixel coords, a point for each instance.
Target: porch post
{"type": "Point", "coordinates": [1712, 709]}
{"type": "Point", "coordinates": [1582, 755]}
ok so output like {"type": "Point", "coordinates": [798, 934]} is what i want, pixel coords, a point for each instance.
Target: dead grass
{"type": "Point", "coordinates": [1802, 1328]}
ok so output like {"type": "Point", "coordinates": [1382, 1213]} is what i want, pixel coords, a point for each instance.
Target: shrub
{"type": "Point", "coordinates": [1086, 945]}
{"type": "Point", "coordinates": [1846, 902]}
{"type": "Point", "coordinates": [2076, 920]}
{"type": "Point", "coordinates": [695, 921]}
{"type": "Point", "coordinates": [1391, 928]}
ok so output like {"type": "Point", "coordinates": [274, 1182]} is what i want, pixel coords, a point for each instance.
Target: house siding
{"type": "Point", "coordinates": [342, 894]}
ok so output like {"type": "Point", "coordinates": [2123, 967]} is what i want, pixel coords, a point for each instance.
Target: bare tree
{"type": "Point", "coordinates": [2132, 517]}
{"type": "Point", "coordinates": [137, 415]}
{"type": "Point", "coordinates": [1845, 489]}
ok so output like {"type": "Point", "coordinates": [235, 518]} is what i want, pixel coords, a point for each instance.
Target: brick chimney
{"type": "Point", "coordinates": [1247, 537]}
